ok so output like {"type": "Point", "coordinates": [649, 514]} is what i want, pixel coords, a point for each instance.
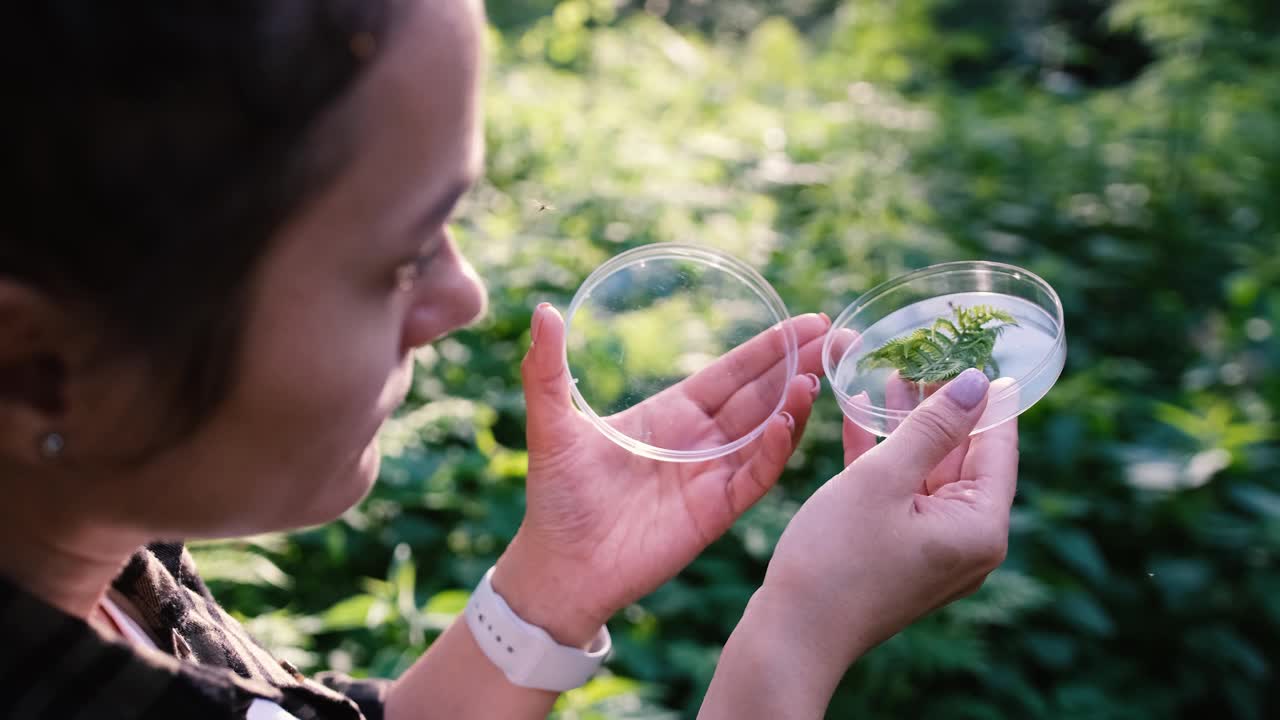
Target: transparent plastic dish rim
{"type": "Point", "coordinates": [880, 290]}
{"type": "Point", "coordinates": [704, 256]}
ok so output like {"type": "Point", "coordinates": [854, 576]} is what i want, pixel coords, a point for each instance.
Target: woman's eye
{"type": "Point", "coordinates": [408, 274]}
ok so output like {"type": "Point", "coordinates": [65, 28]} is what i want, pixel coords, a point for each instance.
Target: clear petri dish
{"type": "Point", "coordinates": [878, 388]}
{"type": "Point", "coordinates": [679, 352]}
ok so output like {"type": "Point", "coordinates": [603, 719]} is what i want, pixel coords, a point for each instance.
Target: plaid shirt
{"type": "Point", "coordinates": [55, 667]}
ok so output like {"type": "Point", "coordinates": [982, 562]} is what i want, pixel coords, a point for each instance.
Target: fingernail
{"type": "Point", "coordinates": [826, 317]}
{"type": "Point", "coordinates": [815, 382]}
{"type": "Point", "coordinates": [537, 322]}
{"type": "Point", "coordinates": [968, 389]}
{"type": "Point", "coordinates": [791, 422]}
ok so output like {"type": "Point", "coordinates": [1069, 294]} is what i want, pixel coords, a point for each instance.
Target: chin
{"type": "Point", "coordinates": [345, 488]}
{"type": "Point", "coordinates": [294, 505]}
{"type": "Point", "coordinates": [366, 472]}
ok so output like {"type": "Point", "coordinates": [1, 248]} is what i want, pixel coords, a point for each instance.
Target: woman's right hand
{"type": "Point", "coordinates": [911, 524]}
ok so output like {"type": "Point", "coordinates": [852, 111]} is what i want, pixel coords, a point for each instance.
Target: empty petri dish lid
{"type": "Point", "coordinates": [906, 338]}
{"type": "Point", "coordinates": [678, 352]}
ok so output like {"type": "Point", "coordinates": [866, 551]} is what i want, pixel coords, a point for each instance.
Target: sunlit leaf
{"type": "Point", "coordinates": [225, 564]}
{"type": "Point", "coordinates": [358, 611]}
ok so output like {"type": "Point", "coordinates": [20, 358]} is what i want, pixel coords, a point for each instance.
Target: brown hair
{"type": "Point", "coordinates": [155, 148]}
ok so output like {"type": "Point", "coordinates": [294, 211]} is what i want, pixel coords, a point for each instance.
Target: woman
{"type": "Point", "coordinates": [223, 233]}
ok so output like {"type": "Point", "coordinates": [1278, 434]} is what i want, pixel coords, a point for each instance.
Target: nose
{"type": "Point", "coordinates": [448, 298]}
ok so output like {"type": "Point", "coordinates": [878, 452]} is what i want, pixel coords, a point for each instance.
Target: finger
{"type": "Point", "coordinates": [546, 379]}
{"type": "Point", "coordinates": [844, 342]}
{"type": "Point", "coordinates": [1002, 402]}
{"type": "Point", "coordinates": [948, 471]}
{"type": "Point", "coordinates": [999, 404]}
{"type": "Point", "coordinates": [931, 431]}
{"type": "Point", "coordinates": [715, 384]}
{"type": "Point", "coordinates": [763, 461]}
{"type": "Point", "coordinates": [901, 396]}
{"type": "Point", "coordinates": [992, 463]}
{"type": "Point", "coordinates": [760, 472]}
{"type": "Point", "coordinates": [856, 440]}
{"type": "Point", "coordinates": [810, 356]}
{"type": "Point", "coordinates": [753, 403]}
{"type": "Point", "coordinates": [801, 394]}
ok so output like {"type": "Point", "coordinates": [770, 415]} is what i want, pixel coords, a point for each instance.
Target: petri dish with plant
{"type": "Point", "coordinates": [903, 340]}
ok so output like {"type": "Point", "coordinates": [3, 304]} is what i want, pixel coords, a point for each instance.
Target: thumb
{"type": "Point", "coordinates": [935, 428]}
{"type": "Point", "coordinates": [546, 380]}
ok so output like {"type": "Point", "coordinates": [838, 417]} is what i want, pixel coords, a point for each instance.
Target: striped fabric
{"type": "Point", "coordinates": [55, 667]}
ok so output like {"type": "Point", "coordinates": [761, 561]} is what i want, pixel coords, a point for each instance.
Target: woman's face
{"type": "Point", "coordinates": [336, 306]}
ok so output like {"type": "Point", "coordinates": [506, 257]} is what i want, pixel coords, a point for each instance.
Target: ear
{"type": "Point", "coordinates": [35, 344]}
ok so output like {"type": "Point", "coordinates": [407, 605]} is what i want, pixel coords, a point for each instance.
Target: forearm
{"type": "Point", "coordinates": [455, 679]}
{"type": "Point", "coordinates": [776, 666]}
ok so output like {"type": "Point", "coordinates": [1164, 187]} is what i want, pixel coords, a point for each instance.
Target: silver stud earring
{"type": "Point", "coordinates": [52, 445]}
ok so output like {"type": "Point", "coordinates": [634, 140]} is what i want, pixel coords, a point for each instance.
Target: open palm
{"type": "Point", "coordinates": [624, 523]}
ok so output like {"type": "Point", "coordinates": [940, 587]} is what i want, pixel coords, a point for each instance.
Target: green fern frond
{"type": "Point", "coordinates": [948, 348]}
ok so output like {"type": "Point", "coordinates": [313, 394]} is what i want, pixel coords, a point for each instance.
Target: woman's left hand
{"type": "Point", "coordinates": [604, 527]}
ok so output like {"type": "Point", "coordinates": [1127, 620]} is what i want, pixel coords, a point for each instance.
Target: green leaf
{"type": "Point", "coordinates": [1180, 580]}
{"type": "Point", "coordinates": [359, 611]}
{"type": "Point", "coordinates": [1256, 499]}
{"type": "Point", "coordinates": [599, 689]}
{"type": "Point", "coordinates": [946, 349]}
{"type": "Point", "coordinates": [1084, 613]}
{"type": "Point", "coordinates": [224, 564]}
{"type": "Point", "coordinates": [1003, 599]}
{"type": "Point", "coordinates": [448, 601]}
{"type": "Point", "coordinates": [1078, 550]}
{"type": "Point", "coordinates": [1227, 645]}
{"type": "Point", "coordinates": [444, 607]}
{"type": "Point", "coordinates": [1053, 650]}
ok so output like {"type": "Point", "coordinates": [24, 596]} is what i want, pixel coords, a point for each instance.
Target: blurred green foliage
{"type": "Point", "coordinates": [1126, 150]}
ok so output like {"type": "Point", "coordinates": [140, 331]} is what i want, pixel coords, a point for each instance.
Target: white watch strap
{"type": "Point", "coordinates": [525, 653]}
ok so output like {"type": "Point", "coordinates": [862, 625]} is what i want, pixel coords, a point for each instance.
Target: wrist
{"type": "Point", "coordinates": [830, 632]}
{"type": "Point", "coordinates": [548, 597]}
{"type": "Point", "coordinates": [776, 664]}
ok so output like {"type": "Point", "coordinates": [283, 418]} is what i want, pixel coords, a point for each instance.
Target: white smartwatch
{"type": "Point", "coordinates": [525, 653]}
